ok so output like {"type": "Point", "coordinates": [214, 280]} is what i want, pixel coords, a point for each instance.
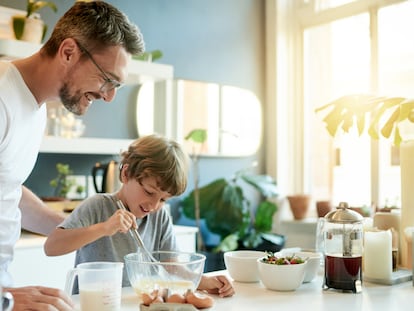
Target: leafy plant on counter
{"type": "Point", "coordinates": [62, 184]}
{"type": "Point", "coordinates": [229, 213]}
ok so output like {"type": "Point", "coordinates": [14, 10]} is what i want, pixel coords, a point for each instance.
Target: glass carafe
{"type": "Point", "coordinates": [343, 246]}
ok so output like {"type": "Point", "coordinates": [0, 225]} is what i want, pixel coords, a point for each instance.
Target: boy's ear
{"type": "Point", "coordinates": [123, 173]}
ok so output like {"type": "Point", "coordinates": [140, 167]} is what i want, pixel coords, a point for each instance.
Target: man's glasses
{"type": "Point", "coordinates": [109, 84]}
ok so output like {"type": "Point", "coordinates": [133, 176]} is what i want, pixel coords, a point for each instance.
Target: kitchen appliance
{"type": "Point", "coordinates": [343, 246]}
{"type": "Point", "coordinates": [110, 177]}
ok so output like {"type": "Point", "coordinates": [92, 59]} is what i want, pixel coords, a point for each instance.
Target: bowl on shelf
{"type": "Point", "coordinates": [242, 265]}
{"type": "Point", "coordinates": [281, 277]}
{"type": "Point", "coordinates": [175, 271]}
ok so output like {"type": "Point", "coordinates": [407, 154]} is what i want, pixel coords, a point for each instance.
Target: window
{"type": "Point", "coordinates": [340, 67]}
{"type": "Point", "coordinates": [335, 48]}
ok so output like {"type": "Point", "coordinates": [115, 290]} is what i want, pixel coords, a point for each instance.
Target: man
{"type": "Point", "coordinates": [85, 59]}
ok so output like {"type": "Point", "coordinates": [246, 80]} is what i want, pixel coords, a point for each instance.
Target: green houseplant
{"type": "Point", "coordinates": [30, 27]}
{"type": "Point", "coordinates": [62, 183]}
{"type": "Point", "coordinates": [227, 211]}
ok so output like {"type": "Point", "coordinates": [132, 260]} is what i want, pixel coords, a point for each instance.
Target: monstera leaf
{"type": "Point", "coordinates": [228, 213]}
{"type": "Point", "coordinates": [221, 206]}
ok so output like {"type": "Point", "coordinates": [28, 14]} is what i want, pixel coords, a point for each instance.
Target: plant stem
{"type": "Point", "coordinates": [200, 242]}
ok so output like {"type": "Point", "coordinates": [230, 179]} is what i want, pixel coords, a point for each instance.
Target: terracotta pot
{"type": "Point", "coordinates": [299, 205]}
{"type": "Point", "coordinates": [323, 208]}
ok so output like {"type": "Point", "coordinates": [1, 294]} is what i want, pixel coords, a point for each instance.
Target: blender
{"type": "Point", "coordinates": [343, 246]}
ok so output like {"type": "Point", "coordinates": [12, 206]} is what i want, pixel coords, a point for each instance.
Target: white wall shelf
{"type": "Point", "coordinates": [84, 145]}
{"type": "Point", "coordinates": [12, 49]}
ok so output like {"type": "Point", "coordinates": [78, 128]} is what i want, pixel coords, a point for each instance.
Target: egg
{"type": "Point", "coordinates": [198, 300]}
{"type": "Point", "coordinates": [147, 299]}
{"type": "Point", "coordinates": [176, 298]}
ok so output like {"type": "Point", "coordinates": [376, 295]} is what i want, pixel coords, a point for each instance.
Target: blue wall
{"type": "Point", "coordinates": [214, 41]}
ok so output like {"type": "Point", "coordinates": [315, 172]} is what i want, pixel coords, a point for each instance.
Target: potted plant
{"type": "Point", "coordinates": [226, 210]}
{"type": "Point", "coordinates": [62, 184]}
{"type": "Point", "coordinates": [30, 27]}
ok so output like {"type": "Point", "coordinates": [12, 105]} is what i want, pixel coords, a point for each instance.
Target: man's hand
{"type": "Point", "coordinates": [39, 298]}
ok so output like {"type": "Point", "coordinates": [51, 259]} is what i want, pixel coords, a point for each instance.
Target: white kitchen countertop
{"type": "Point", "coordinates": [310, 296]}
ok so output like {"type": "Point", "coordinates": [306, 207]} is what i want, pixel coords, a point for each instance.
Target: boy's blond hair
{"type": "Point", "coordinates": [159, 157]}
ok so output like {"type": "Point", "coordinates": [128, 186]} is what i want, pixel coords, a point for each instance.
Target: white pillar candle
{"type": "Point", "coordinates": [407, 193]}
{"type": "Point", "coordinates": [385, 221]}
{"type": "Point", "coordinates": [378, 255]}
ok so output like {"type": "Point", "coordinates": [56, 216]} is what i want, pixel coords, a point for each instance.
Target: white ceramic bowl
{"type": "Point", "coordinates": [281, 277]}
{"type": "Point", "coordinates": [242, 265]}
{"type": "Point", "coordinates": [313, 262]}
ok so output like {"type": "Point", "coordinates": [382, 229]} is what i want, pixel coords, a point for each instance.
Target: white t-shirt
{"type": "Point", "coordinates": [22, 125]}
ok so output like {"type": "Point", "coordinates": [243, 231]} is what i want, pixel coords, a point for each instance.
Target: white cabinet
{"type": "Point", "coordinates": [31, 266]}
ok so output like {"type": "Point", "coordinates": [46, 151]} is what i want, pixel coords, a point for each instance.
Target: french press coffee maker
{"type": "Point", "coordinates": [343, 246]}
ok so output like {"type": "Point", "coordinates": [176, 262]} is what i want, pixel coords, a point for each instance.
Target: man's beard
{"type": "Point", "coordinates": [71, 102]}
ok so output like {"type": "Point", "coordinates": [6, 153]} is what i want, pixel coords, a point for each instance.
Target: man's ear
{"type": "Point", "coordinates": [69, 52]}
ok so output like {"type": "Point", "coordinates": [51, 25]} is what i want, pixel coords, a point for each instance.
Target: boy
{"type": "Point", "coordinates": [153, 170]}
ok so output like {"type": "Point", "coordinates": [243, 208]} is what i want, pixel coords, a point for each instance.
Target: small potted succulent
{"type": "Point", "coordinates": [30, 27]}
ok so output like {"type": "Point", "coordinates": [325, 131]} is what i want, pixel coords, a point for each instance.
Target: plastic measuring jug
{"type": "Point", "coordinates": [100, 285]}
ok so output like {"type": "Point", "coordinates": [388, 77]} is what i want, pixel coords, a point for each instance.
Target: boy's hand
{"type": "Point", "coordinates": [120, 221]}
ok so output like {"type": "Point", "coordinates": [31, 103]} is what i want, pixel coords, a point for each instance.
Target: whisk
{"type": "Point", "coordinates": [160, 270]}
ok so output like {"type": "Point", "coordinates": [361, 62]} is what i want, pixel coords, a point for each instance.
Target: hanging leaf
{"type": "Point", "coordinates": [346, 109]}
{"type": "Point", "coordinates": [197, 135]}
{"type": "Point", "coordinates": [35, 5]}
